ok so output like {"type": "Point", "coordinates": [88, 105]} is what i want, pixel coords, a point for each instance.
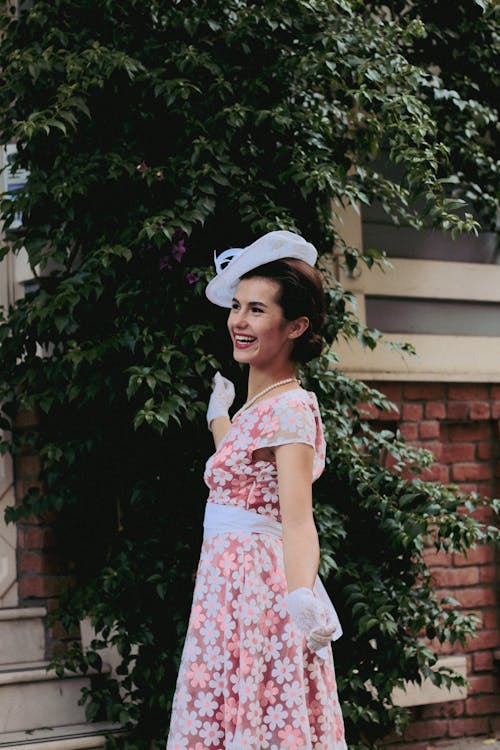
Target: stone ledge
{"type": "Point", "coordinates": [22, 613]}
{"type": "Point", "coordinates": [427, 692]}
{"type": "Point", "coordinates": [469, 743]}
{"type": "Point", "coordinates": [72, 737]}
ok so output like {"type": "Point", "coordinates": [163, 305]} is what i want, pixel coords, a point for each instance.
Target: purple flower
{"type": "Point", "coordinates": [178, 251]}
{"type": "Point", "coordinates": [192, 278]}
{"type": "Point", "coordinates": [165, 263]}
{"type": "Point", "coordinates": [142, 167]}
{"type": "Point", "coordinates": [178, 246]}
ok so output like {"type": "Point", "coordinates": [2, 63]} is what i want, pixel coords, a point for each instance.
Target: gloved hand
{"type": "Point", "coordinates": [221, 399]}
{"type": "Point", "coordinates": [311, 615]}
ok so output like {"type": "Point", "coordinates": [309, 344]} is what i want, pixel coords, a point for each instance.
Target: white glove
{"type": "Point", "coordinates": [311, 615]}
{"type": "Point", "coordinates": [221, 399]}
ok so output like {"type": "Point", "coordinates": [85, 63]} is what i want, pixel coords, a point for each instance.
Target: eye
{"type": "Point", "coordinates": [235, 306]}
{"type": "Point", "coordinates": [257, 309]}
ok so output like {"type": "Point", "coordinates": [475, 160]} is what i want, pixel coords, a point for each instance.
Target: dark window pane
{"type": "Point", "coordinates": [406, 242]}
{"type": "Point", "coordinates": [446, 317]}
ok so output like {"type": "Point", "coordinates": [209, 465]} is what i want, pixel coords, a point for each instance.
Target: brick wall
{"type": "Point", "coordinates": [41, 570]}
{"type": "Point", "coordinates": [460, 424]}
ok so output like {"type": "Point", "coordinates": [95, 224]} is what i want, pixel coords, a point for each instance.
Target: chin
{"type": "Point", "coordinates": [240, 356]}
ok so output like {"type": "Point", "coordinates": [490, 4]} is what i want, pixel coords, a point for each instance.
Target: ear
{"type": "Point", "coordinates": [298, 327]}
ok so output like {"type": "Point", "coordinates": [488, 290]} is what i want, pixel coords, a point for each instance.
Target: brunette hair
{"type": "Point", "coordinates": [301, 294]}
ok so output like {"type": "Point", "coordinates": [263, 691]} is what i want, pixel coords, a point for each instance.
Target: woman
{"type": "Point", "coordinates": [257, 669]}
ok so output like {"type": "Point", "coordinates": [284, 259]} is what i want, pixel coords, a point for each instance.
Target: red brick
{"type": "Point", "coordinates": [437, 473]}
{"type": "Point", "coordinates": [44, 519]}
{"type": "Point", "coordinates": [484, 704]}
{"type": "Point", "coordinates": [486, 683]}
{"type": "Point", "coordinates": [427, 730]}
{"type": "Point", "coordinates": [485, 514]}
{"type": "Point", "coordinates": [435, 410]}
{"type": "Point", "coordinates": [490, 619]}
{"type": "Point", "coordinates": [368, 411]}
{"type": "Point", "coordinates": [430, 429]}
{"type": "Point", "coordinates": [468, 487]}
{"type": "Point", "coordinates": [37, 587]}
{"type": "Point", "coordinates": [434, 557]}
{"type": "Point", "coordinates": [409, 431]}
{"type": "Point", "coordinates": [388, 416]}
{"type": "Point", "coordinates": [40, 562]}
{"type": "Point", "coordinates": [457, 410]}
{"type": "Point", "coordinates": [391, 390]}
{"type": "Point", "coordinates": [487, 574]}
{"type": "Point", "coordinates": [454, 452]}
{"type": "Point", "coordinates": [28, 467]}
{"type": "Point", "coordinates": [448, 577]}
{"type": "Point", "coordinates": [483, 640]}
{"type": "Point", "coordinates": [480, 410]}
{"type": "Point", "coordinates": [407, 746]}
{"type": "Point", "coordinates": [467, 472]}
{"type": "Point", "coordinates": [423, 391]}
{"type": "Point", "coordinates": [31, 562]}
{"type": "Point", "coordinates": [477, 556]}
{"type": "Point", "coordinates": [443, 710]}
{"type": "Point", "coordinates": [465, 727]}
{"type": "Point", "coordinates": [484, 450]}
{"type": "Point", "coordinates": [464, 392]}
{"type": "Point", "coordinates": [434, 446]}
{"type": "Point", "coordinates": [27, 418]}
{"type": "Point", "coordinates": [447, 648]}
{"type": "Point", "coordinates": [495, 724]}
{"type": "Point", "coordinates": [413, 412]}
{"type": "Point", "coordinates": [478, 596]}
{"type": "Point", "coordinates": [495, 392]}
{"type": "Point", "coordinates": [473, 432]}
{"type": "Point", "coordinates": [36, 537]}
{"type": "Point", "coordinates": [495, 410]}
{"type": "Point", "coordinates": [482, 661]}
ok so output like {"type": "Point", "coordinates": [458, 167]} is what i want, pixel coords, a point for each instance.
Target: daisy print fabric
{"type": "Point", "coordinates": [247, 679]}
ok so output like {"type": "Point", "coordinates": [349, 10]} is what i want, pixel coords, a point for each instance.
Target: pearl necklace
{"type": "Point", "coordinates": [252, 400]}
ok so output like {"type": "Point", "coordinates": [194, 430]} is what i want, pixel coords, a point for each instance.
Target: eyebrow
{"type": "Point", "coordinates": [254, 302]}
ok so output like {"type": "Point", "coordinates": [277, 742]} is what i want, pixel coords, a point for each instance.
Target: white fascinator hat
{"type": "Point", "coordinates": [232, 264]}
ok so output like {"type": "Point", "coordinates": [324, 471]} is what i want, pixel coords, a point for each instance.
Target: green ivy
{"type": "Point", "coordinates": [155, 133]}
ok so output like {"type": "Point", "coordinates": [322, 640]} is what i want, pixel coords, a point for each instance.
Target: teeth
{"type": "Point", "coordinates": [244, 339]}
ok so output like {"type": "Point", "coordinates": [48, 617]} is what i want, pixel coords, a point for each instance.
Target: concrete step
{"type": "Point", "coordinates": [468, 743]}
{"type": "Point", "coordinates": [32, 697]}
{"type": "Point", "coordinates": [22, 635]}
{"type": "Point", "coordinates": [72, 737]}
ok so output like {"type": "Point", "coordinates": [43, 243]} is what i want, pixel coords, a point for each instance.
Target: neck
{"type": "Point", "coordinates": [260, 379]}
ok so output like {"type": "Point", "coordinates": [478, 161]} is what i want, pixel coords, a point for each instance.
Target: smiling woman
{"type": "Point", "coordinates": [257, 667]}
{"type": "Point", "coordinates": [260, 333]}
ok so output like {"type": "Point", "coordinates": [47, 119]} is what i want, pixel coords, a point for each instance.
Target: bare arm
{"type": "Point", "coordinates": [219, 425]}
{"type": "Point", "coordinates": [300, 538]}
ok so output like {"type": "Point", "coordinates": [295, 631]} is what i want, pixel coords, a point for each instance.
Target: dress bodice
{"type": "Point", "coordinates": [232, 474]}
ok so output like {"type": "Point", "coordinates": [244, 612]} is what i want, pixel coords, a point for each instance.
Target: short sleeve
{"type": "Point", "coordinates": [283, 421]}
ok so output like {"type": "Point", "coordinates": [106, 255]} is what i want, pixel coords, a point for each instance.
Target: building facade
{"type": "Point", "coordinates": [443, 296]}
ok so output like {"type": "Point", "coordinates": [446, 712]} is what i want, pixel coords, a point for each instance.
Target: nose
{"type": "Point", "coordinates": [238, 318]}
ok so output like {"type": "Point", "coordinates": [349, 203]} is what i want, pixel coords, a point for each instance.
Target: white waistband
{"type": "Point", "coordinates": [220, 519]}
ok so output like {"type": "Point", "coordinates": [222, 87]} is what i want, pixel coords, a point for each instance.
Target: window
{"type": "Point", "coordinates": [446, 305]}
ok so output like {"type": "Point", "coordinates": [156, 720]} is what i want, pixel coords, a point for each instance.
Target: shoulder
{"type": "Point", "coordinates": [291, 416]}
{"type": "Point", "coordinates": [295, 399]}
{"type": "Point", "coordinates": [296, 402]}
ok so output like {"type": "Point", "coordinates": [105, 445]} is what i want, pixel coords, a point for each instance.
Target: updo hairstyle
{"type": "Point", "coordinates": [301, 295]}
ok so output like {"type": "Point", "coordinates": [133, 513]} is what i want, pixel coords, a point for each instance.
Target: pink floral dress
{"type": "Point", "coordinates": [247, 678]}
